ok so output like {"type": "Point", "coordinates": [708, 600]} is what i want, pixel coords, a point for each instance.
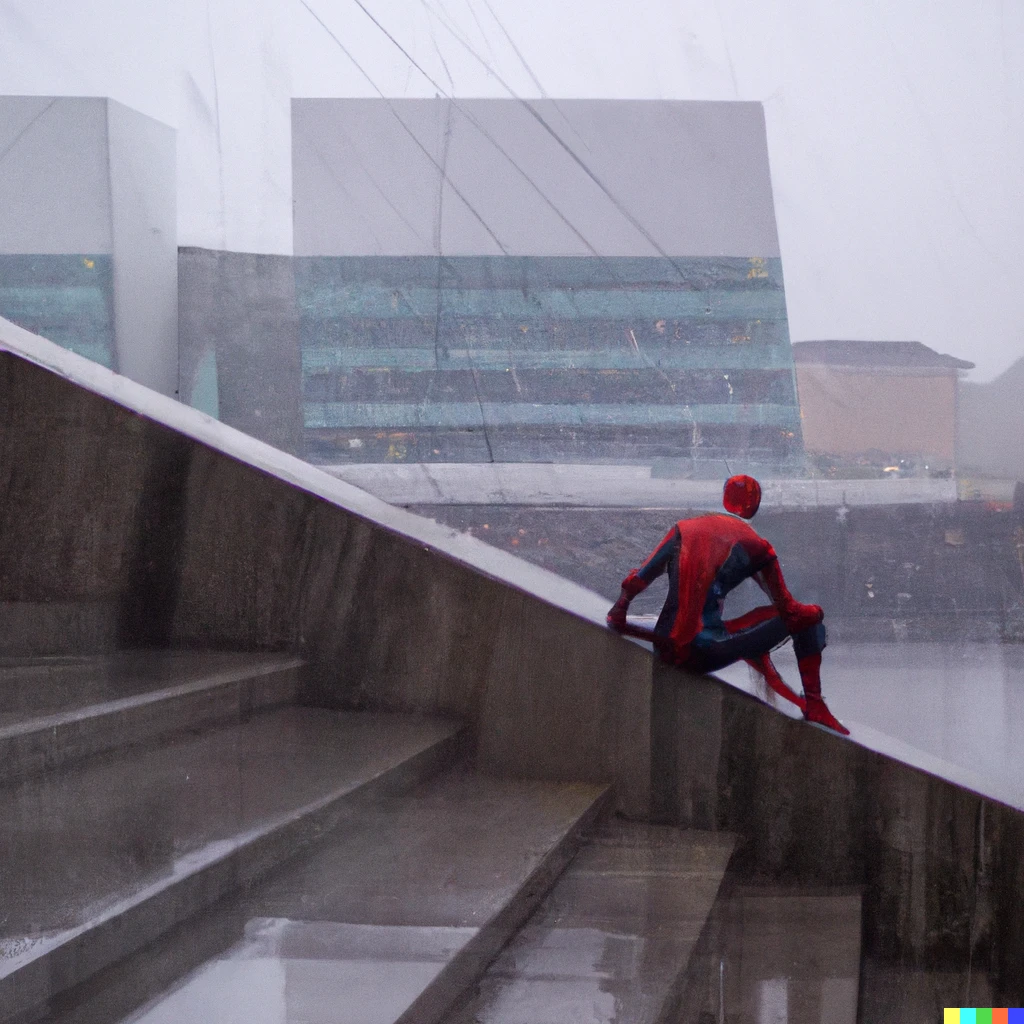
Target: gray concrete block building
{"type": "Point", "coordinates": [88, 233]}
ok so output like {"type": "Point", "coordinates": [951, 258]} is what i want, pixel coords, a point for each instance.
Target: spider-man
{"type": "Point", "coordinates": [705, 558]}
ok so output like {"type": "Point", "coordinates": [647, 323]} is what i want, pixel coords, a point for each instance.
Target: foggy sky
{"type": "Point", "coordinates": [895, 130]}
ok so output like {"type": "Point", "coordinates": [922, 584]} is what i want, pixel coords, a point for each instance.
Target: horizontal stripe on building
{"type": "Point", "coordinates": [475, 333]}
{"type": "Point", "coordinates": [99, 347]}
{"type": "Point", "coordinates": [470, 414]}
{"type": "Point", "coordinates": [591, 387]}
{"type": "Point", "coordinates": [726, 435]}
{"type": "Point", "coordinates": [724, 357]}
{"type": "Point", "coordinates": [369, 300]}
{"type": "Point", "coordinates": [47, 270]}
{"type": "Point", "coordinates": [639, 445]}
{"type": "Point", "coordinates": [54, 301]}
{"type": "Point", "coordinates": [525, 272]}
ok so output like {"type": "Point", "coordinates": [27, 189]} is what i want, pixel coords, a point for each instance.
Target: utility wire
{"type": "Point", "coordinates": [480, 127]}
{"type": "Point", "coordinates": [612, 198]}
{"type": "Point", "coordinates": [412, 135]}
{"type": "Point", "coordinates": [24, 131]}
{"type": "Point", "coordinates": [530, 72]}
{"type": "Point", "coordinates": [444, 179]}
{"type": "Point", "coordinates": [483, 34]}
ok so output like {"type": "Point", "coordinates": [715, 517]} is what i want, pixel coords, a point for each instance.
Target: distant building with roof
{"type": "Point", "coordinates": [878, 400]}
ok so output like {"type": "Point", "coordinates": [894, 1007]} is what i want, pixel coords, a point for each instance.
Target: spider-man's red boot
{"type": "Point", "coordinates": [764, 665]}
{"type": "Point", "coordinates": [817, 710]}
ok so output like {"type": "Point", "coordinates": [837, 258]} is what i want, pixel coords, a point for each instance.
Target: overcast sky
{"type": "Point", "coordinates": [895, 130]}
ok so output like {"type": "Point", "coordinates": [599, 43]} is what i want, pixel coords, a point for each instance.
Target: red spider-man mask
{"type": "Point", "coordinates": [742, 496]}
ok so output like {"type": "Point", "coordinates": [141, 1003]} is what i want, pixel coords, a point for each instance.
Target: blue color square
{"type": "Point", "coordinates": [1016, 1015]}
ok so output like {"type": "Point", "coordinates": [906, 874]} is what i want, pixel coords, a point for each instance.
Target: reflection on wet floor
{"type": "Point", "coordinates": [372, 921]}
{"type": "Point", "coordinates": [310, 972]}
{"type": "Point", "coordinates": [605, 947]}
{"type": "Point", "coordinates": [791, 957]}
{"type": "Point", "coordinates": [769, 955]}
{"type": "Point", "coordinates": [785, 955]}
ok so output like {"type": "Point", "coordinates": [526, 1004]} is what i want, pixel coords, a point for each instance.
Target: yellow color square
{"type": "Point", "coordinates": [951, 1015]}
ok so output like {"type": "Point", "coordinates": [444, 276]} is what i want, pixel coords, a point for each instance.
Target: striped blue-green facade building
{"type": "Point", "coordinates": [558, 281]}
{"type": "Point", "coordinates": [67, 298]}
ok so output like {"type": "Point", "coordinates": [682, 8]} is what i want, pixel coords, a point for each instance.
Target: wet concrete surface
{"type": "Point", "coordinates": [612, 941]}
{"type": "Point", "coordinates": [389, 919]}
{"type": "Point", "coordinates": [32, 688]}
{"type": "Point", "coordinates": [633, 931]}
{"type": "Point", "coordinates": [782, 954]}
{"type": "Point", "coordinates": [955, 709]}
{"type": "Point", "coordinates": [791, 957]}
{"type": "Point", "coordinates": [77, 840]}
{"type": "Point", "coordinates": [99, 858]}
{"type": "Point", "coordinates": [312, 973]}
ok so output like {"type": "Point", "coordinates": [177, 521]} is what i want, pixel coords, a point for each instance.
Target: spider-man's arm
{"type": "Point", "coordinates": [795, 615]}
{"type": "Point", "coordinates": [638, 580]}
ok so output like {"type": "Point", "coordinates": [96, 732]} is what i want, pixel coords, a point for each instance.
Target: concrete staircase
{"type": "Point", "coordinates": [54, 711]}
{"type": "Point", "coordinates": [183, 842]}
{"type": "Point", "coordinates": [614, 940]}
{"type": "Point", "coordinates": [176, 779]}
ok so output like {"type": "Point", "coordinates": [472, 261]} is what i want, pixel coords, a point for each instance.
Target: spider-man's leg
{"type": "Point", "coordinates": [762, 663]}
{"type": "Point", "coordinates": [808, 646]}
{"type": "Point", "coordinates": [751, 638]}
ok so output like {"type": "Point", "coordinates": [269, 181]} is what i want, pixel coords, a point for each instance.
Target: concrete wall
{"type": "Point", "coordinates": [940, 867]}
{"type": "Point", "coordinates": [197, 536]}
{"type": "Point", "coordinates": [239, 342]}
{"type": "Point", "coordinates": [183, 546]}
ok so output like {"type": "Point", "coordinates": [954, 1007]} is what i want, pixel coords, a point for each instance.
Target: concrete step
{"type": "Point", "coordinates": [101, 858]}
{"type": "Point", "coordinates": [390, 920]}
{"type": "Point", "coordinates": [54, 711]}
{"type": "Point", "coordinates": [614, 938]}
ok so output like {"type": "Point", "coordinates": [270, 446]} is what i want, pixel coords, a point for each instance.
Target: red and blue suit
{"type": "Point", "coordinates": [705, 558]}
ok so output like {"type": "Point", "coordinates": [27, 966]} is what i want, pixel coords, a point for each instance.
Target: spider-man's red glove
{"type": "Point", "coordinates": [631, 586]}
{"type": "Point", "coordinates": [795, 615]}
